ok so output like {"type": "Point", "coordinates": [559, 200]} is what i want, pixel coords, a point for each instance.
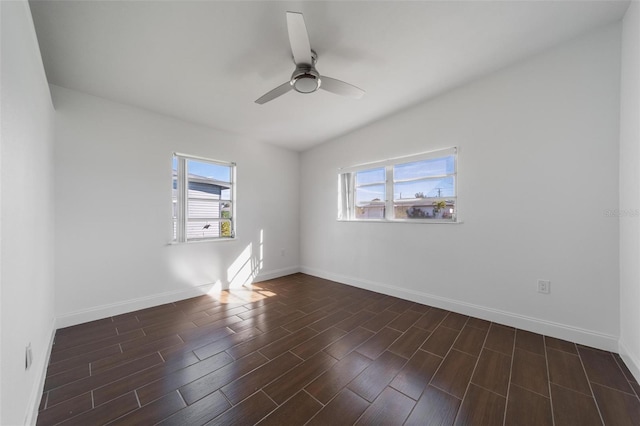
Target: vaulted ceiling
{"type": "Point", "coordinates": [207, 62]}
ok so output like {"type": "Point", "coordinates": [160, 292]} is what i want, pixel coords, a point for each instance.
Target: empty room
{"type": "Point", "coordinates": [320, 212]}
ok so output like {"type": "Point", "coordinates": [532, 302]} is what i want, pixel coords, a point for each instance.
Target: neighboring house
{"type": "Point", "coordinates": [417, 208]}
{"type": "Point", "coordinates": [204, 207]}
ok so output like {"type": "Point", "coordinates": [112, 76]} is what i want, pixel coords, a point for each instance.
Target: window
{"type": "Point", "coordinates": [419, 188]}
{"type": "Point", "coordinates": [203, 199]}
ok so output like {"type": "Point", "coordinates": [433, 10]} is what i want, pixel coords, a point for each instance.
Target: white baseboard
{"type": "Point", "coordinates": [631, 361]}
{"type": "Point", "coordinates": [109, 310]}
{"type": "Point", "coordinates": [269, 275]}
{"type": "Point", "coordinates": [548, 328]}
{"type": "Point", "coordinates": [41, 364]}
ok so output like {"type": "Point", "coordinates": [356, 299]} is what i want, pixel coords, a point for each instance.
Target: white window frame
{"type": "Point", "coordinates": [182, 207]}
{"type": "Point", "coordinates": [346, 187]}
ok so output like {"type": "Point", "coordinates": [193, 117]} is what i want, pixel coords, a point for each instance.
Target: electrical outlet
{"type": "Point", "coordinates": [544, 286]}
{"type": "Point", "coordinates": [282, 252]}
{"type": "Point", "coordinates": [28, 357]}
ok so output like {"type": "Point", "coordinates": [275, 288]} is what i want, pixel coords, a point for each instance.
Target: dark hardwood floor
{"type": "Point", "coordinates": [303, 350]}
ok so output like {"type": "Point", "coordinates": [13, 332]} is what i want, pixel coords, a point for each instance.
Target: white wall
{"type": "Point", "coordinates": [113, 209]}
{"type": "Point", "coordinates": [541, 139]}
{"type": "Point", "coordinates": [630, 190]}
{"type": "Point", "coordinates": [26, 216]}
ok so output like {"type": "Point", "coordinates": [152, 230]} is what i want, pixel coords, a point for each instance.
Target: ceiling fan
{"type": "Point", "coordinates": [305, 78]}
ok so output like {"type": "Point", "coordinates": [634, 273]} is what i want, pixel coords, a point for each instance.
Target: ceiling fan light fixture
{"type": "Point", "coordinates": [306, 83]}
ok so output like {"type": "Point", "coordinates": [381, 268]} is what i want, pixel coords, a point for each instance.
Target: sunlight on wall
{"type": "Point", "coordinates": [241, 271]}
{"type": "Point", "coordinates": [239, 278]}
{"type": "Point", "coordinates": [261, 248]}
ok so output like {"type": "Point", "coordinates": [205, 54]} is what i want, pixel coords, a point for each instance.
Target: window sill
{"type": "Point", "coordinates": [419, 221]}
{"type": "Point", "coordinates": [211, 240]}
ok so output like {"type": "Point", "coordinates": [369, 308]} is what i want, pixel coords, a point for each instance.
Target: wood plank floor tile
{"type": "Point", "coordinates": [345, 409]}
{"type": "Point", "coordinates": [283, 345]}
{"type": "Point", "coordinates": [573, 408]}
{"type": "Point", "coordinates": [296, 411]}
{"type": "Point", "coordinates": [269, 323]}
{"type": "Point", "coordinates": [420, 308]}
{"type": "Point", "coordinates": [345, 345]}
{"type": "Point", "coordinates": [330, 320]}
{"type": "Point", "coordinates": [625, 370]}
{"type": "Point", "coordinates": [431, 319]}
{"type": "Point", "coordinates": [383, 304]}
{"type": "Point", "coordinates": [317, 343]}
{"type": "Point", "coordinates": [257, 342]}
{"type": "Point", "coordinates": [85, 358]}
{"type": "Point", "coordinates": [74, 351]}
{"type": "Point", "coordinates": [400, 306]}
{"type": "Point", "coordinates": [105, 413]}
{"type": "Point", "coordinates": [140, 379]}
{"type": "Point", "coordinates": [500, 339]}
{"type": "Point", "coordinates": [205, 385]}
{"type": "Point", "coordinates": [68, 376]}
{"type": "Point", "coordinates": [526, 408]}
{"type": "Point", "coordinates": [390, 408]}
{"type": "Point", "coordinates": [560, 345]}
{"type": "Point", "coordinates": [200, 412]}
{"type": "Point", "coordinates": [376, 345]}
{"type": "Point", "coordinates": [530, 371]}
{"type": "Point", "coordinates": [248, 412]}
{"type": "Point", "coordinates": [356, 320]}
{"type": "Point", "coordinates": [479, 323]}
{"type": "Point", "coordinates": [531, 342]}
{"type": "Point", "coordinates": [455, 321]}
{"type": "Point", "coordinates": [566, 370]}
{"type": "Point", "coordinates": [67, 409]}
{"type": "Point", "coordinates": [409, 342]}
{"type": "Point", "coordinates": [241, 388]}
{"type": "Point", "coordinates": [434, 408]}
{"type": "Point", "coordinates": [66, 342]}
{"type": "Point", "coordinates": [404, 321]}
{"type": "Point", "coordinates": [440, 341]}
{"type": "Point", "coordinates": [332, 381]}
{"type": "Point", "coordinates": [470, 340]}
{"type": "Point", "coordinates": [210, 332]}
{"type": "Point", "coordinates": [492, 371]}
{"type": "Point", "coordinates": [372, 381]}
{"type": "Point", "coordinates": [617, 408]}
{"type": "Point", "coordinates": [416, 374]}
{"type": "Point", "coordinates": [304, 321]}
{"type": "Point", "coordinates": [179, 378]}
{"type": "Point", "coordinates": [300, 349]}
{"type": "Point", "coordinates": [636, 388]}
{"type": "Point", "coordinates": [154, 412]}
{"type": "Point", "coordinates": [84, 385]}
{"type": "Point", "coordinates": [114, 361]}
{"type": "Point", "coordinates": [225, 343]}
{"type": "Point", "coordinates": [380, 320]}
{"type": "Point", "coordinates": [481, 407]}
{"type": "Point", "coordinates": [455, 373]}
{"type": "Point", "coordinates": [298, 377]}
{"type": "Point", "coordinates": [602, 368]}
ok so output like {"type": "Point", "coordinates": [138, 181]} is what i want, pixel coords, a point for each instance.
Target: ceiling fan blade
{"type": "Point", "coordinates": [340, 87]}
{"type": "Point", "coordinates": [299, 38]}
{"type": "Point", "coordinates": [278, 91]}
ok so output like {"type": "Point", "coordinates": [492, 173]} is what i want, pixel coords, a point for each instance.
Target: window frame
{"type": "Point", "coordinates": [182, 200]}
{"type": "Point", "coordinates": [346, 187]}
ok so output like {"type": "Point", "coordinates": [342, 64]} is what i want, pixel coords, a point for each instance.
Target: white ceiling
{"type": "Point", "coordinates": [206, 62]}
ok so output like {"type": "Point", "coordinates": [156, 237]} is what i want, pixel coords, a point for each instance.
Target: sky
{"type": "Point", "coordinates": [209, 170]}
{"type": "Point", "coordinates": [425, 170]}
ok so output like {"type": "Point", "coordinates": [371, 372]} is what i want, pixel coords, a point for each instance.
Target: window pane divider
{"type": "Point", "coordinates": [418, 179]}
